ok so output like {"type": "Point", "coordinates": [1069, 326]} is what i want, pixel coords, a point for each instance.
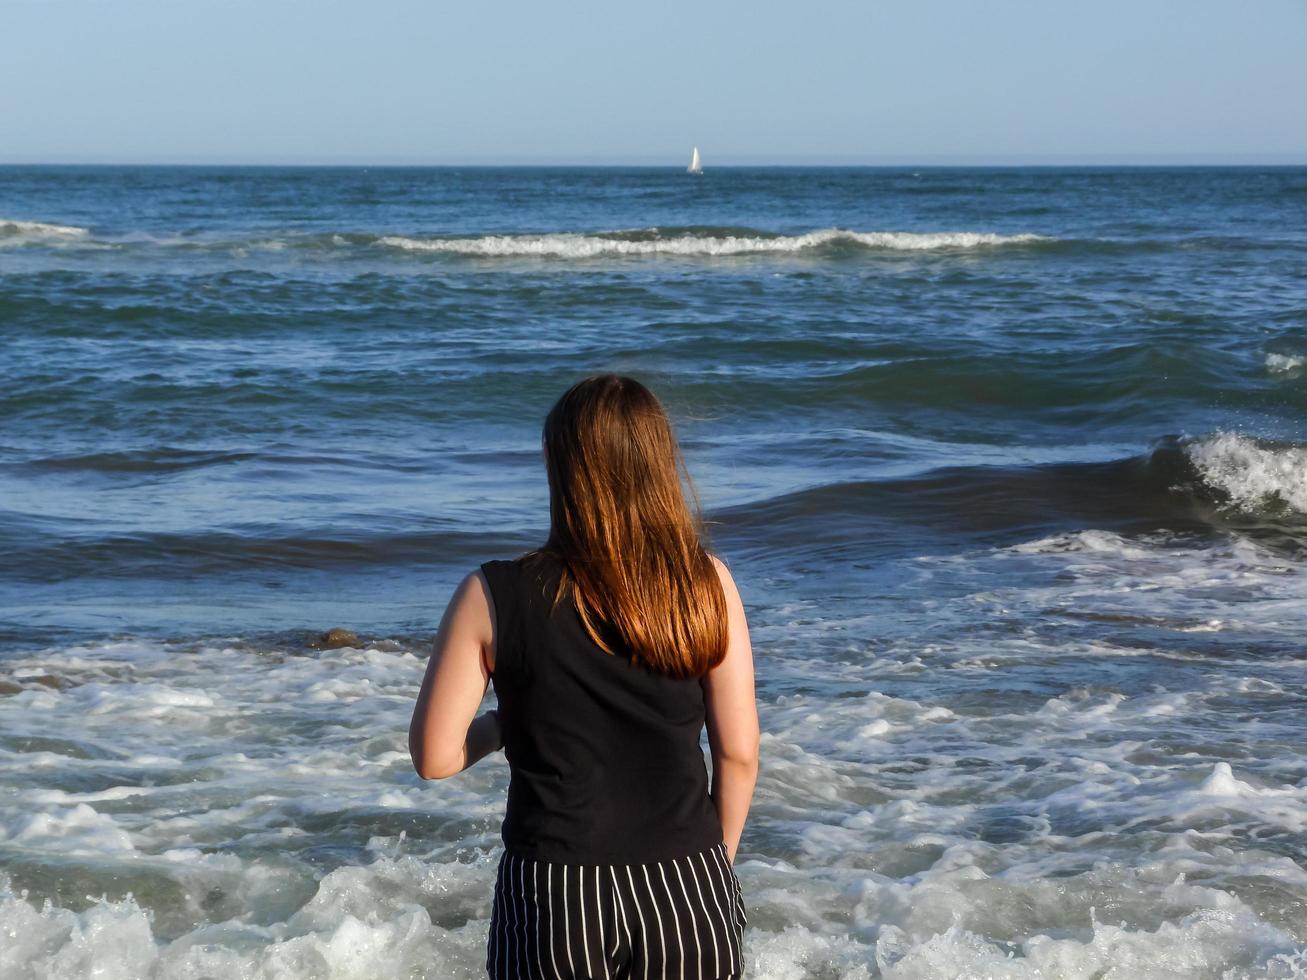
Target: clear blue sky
{"type": "Point", "coordinates": [817, 81]}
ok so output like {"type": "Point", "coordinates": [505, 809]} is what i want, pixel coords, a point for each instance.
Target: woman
{"type": "Point", "coordinates": [609, 648]}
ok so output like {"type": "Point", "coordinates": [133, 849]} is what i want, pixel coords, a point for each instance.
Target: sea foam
{"type": "Point", "coordinates": [582, 246]}
{"type": "Point", "coordinates": [1284, 363]}
{"type": "Point", "coordinates": [1253, 476]}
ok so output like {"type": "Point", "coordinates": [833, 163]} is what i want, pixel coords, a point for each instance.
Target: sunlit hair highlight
{"type": "Point", "coordinates": [630, 544]}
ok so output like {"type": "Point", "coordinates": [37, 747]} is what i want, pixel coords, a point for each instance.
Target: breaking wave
{"type": "Point", "coordinates": [689, 241]}
{"type": "Point", "coordinates": [704, 241]}
{"type": "Point", "coordinates": [1253, 476]}
{"type": "Point", "coordinates": [1224, 482]}
{"type": "Point", "coordinates": [1285, 363]}
{"type": "Point", "coordinates": [11, 229]}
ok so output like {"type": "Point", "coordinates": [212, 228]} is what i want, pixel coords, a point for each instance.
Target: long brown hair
{"type": "Point", "coordinates": [631, 546]}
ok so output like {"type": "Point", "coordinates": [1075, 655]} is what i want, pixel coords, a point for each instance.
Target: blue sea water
{"type": "Point", "coordinates": [1010, 466]}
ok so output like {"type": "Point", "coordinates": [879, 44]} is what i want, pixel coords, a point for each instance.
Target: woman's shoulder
{"type": "Point", "coordinates": [723, 569]}
{"type": "Point", "coordinates": [533, 566]}
{"type": "Point", "coordinates": [519, 561]}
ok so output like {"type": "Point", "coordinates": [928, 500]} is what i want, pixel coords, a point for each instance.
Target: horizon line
{"type": "Point", "coordinates": [938, 161]}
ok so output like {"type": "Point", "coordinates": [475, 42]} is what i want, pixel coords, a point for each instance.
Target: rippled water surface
{"type": "Point", "coordinates": [1010, 467]}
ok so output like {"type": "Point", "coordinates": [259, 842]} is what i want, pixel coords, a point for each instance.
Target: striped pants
{"type": "Point", "coordinates": [681, 919]}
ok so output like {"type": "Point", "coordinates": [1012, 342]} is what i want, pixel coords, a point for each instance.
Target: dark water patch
{"type": "Point", "coordinates": [797, 375]}
{"type": "Point", "coordinates": [1094, 386]}
{"type": "Point", "coordinates": [161, 460]}
{"type": "Point", "coordinates": [178, 555]}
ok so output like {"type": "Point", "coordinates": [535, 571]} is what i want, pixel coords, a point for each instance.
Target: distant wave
{"type": "Point", "coordinates": [686, 241]}
{"type": "Point", "coordinates": [708, 242]}
{"type": "Point", "coordinates": [161, 460]}
{"type": "Point", "coordinates": [682, 241]}
{"type": "Point", "coordinates": [11, 229]}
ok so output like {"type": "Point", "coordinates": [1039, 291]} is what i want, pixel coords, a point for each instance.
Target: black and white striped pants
{"type": "Point", "coordinates": [680, 919]}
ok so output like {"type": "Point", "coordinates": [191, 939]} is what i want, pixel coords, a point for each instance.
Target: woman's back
{"type": "Point", "coordinates": [611, 649]}
{"type": "Point", "coordinates": [606, 763]}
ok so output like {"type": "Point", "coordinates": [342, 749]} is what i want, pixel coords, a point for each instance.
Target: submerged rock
{"type": "Point", "coordinates": [334, 639]}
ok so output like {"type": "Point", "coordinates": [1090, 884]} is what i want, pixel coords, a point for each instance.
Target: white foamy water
{"type": "Point", "coordinates": [1036, 762]}
{"type": "Point", "coordinates": [14, 232]}
{"type": "Point", "coordinates": [1284, 363]}
{"type": "Point", "coordinates": [557, 245]}
{"type": "Point", "coordinates": [1253, 476]}
{"type": "Point", "coordinates": [580, 246]}
{"type": "Point", "coordinates": [36, 228]}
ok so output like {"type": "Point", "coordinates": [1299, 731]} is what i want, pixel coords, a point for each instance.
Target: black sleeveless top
{"type": "Point", "coordinates": [604, 755]}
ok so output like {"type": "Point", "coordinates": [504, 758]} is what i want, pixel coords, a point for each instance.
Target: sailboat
{"type": "Point", "coordinates": [695, 167]}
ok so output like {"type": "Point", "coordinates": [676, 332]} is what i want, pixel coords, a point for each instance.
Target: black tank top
{"type": "Point", "coordinates": [604, 755]}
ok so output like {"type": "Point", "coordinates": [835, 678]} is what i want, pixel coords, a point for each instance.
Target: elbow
{"type": "Point", "coordinates": [437, 773]}
{"type": "Point", "coordinates": [436, 768]}
{"type": "Point", "coordinates": [432, 765]}
{"type": "Point", "coordinates": [742, 755]}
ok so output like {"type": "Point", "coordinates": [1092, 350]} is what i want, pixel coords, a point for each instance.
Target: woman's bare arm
{"type": "Point", "coordinates": [443, 738]}
{"type": "Point", "coordinates": [732, 720]}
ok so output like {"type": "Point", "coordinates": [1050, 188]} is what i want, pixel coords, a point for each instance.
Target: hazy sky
{"type": "Point", "coordinates": [819, 81]}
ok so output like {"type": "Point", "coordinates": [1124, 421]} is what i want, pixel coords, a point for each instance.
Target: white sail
{"type": "Point", "coordinates": [695, 167]}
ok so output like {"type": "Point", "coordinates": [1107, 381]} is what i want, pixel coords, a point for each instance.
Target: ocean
{"type": "Point", "coordinates": [1010, 466]}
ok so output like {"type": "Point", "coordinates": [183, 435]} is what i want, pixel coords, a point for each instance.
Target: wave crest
{"type": "Point", "coordinates": [1284, 363]}
{"type": "Point", "coordinates": [12, 228]}
{"type": "Point", "coordinates": [690, 241]}
{"type": "Point", "coordinates": [1251, 475]}
{"type": "Point", "coordinates": [1221, 482]}
{"type": "Point", "coordinates": [576, 245]}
